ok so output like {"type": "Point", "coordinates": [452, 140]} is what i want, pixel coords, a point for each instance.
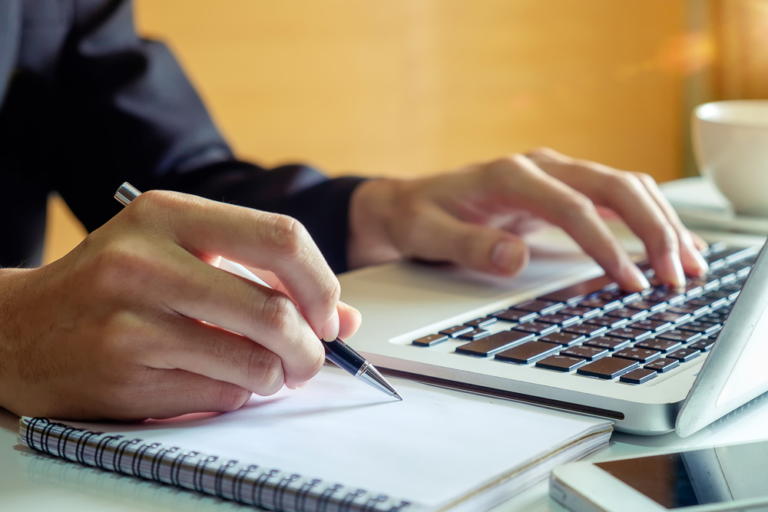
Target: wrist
{"type": "Point", "coordinates": [371, 210]}
{"type": "Point", "coordinates": [10, 331]}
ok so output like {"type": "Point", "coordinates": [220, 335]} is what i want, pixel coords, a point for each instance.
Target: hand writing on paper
{"type": "Point", "coordinates": [475, 216]}
{"type": "Point", "coordinates": [135, 323]}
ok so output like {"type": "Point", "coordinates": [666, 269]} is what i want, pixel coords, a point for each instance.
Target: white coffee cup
{"type": "Point", "coordinates": [730, 140]}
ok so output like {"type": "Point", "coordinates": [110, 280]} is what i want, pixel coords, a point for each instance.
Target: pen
{"type": "Point", "coordinates": [336, 351]}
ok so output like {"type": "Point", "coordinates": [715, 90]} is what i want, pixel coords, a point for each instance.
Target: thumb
{"type": "Point", "coordinates": [443, 237]}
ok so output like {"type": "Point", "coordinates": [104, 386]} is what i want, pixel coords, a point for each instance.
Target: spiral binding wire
{"type": "Point", "coordinates": [227, 479]}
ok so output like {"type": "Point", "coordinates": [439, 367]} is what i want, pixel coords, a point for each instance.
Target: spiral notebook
{"type": "Point", "coordinates": [337, 445]}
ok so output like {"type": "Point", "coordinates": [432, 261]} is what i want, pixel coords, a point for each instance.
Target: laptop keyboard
{"type": "Point", "coordinates": [596, 330]}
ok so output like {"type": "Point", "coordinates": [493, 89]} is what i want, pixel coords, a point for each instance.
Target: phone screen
{"type": "Point", "coordinates": [699, 477]}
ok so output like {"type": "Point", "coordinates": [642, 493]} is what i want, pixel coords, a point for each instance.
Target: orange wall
{"type": "Point", "coordinates": [409, 87]}
{"type": "Point", "coordinates": [405, 87]}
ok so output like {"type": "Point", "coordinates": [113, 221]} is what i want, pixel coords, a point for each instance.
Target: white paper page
{"type": "Point", "coordinates": [433, 446]}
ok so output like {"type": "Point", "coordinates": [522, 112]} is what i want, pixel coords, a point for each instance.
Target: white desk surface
{"type": "Point", "coordinates": [32, 482]}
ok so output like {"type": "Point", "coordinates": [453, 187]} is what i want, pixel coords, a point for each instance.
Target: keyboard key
{"type": "Point", "coordinates": [489, 345]}
{"type": "Point", "coordinates": [685, 354]}
{"type": "Point", "coordinates": [669, 317]}
{"type": "Point", "coordinates": [456, 331]}
{"type": "Point", "coordinates": [639, 376]}
{"type": "Point", "coordinates": [660, 345]}
{"type": "Point", "coordinates": [565, 339]}
{"type": "Point", "coordinates": [647, 306]}
{"type": "Point", "coordinates": [561, 363]}
{"type": "Point", "coordinates": [576, 292]}
{"type": "Point", "coordinates": [587, 330]}
{"type": "Point", "coordinates": [624, 297]}
{"type": "Point", "coordinates": [541, 307]}
{"type": "Point", "coordinates": [642, 355]}
{"type": "Point", "coordinates": [718, 294]}
{"type": "Point", "coordinates": [528, 352]}
{"type": "Point", "coordinates": [430, 340]}
{"type": "Point", "coordinates": [680, 335]}
{"type": "Point", "coordinates": [700, 326]}
{"type": "Point", "coordinates": [537, 328]}
{"type": "Point", "coordinates": [609, 343]}
{"type": "Point", "coordinates": [703, 345]}
{"type": "Point", "coordinates": [662, 365]}
{"type": "Point", "coordinates": [511, 315]}
{"type": "Point", "coordinates": [718, 259]}
{"type": "Point", "coordinates": [607, 321]}
{"type": "Point", "coordinates": [650, 325]}
{"type": "Point", "coordinates": [630, 314]}
{"type": "Point", "coordinates": [585, 352]}
{"type": "Point", "coordinates": [559, 319]}
{"type": "Point", "coordinates": [688, 309]}
{"type": "Point", "coordinates": [666, 295]}
{"type": "Point", "coordinates": [725, 275]}
{"type": "Point", "coordinates": [482, 322]}
{"type": "Point", "coordinates": [608, 368]}
{"type": "Point", "coordinates": [474, 334]}
{"type": "Point", "coordinates": [630, 334]}
{"type": "Point", "coordinates": [581, 311]}
{"type": "Point", "coordinates": [605, 305]}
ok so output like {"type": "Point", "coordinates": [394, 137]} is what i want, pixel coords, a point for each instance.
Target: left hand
{"type": "Point", "coordinates": [476, 215]}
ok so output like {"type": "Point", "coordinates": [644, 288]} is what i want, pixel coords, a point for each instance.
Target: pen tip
{"type": "Point", "coordinates": [398, 397]}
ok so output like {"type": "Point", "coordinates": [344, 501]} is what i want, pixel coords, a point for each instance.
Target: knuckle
{"type": "Point", "coordinates": [624, 180]}
{"type": "Point", "coordinates": [265, 371]}
{"type": "Point", "coordinates": [646, 179]}
{"type": "Point", "coordinates": [122, 262]}
{"type": "Point", "coordinates": [504, 167]}
{"type": "Point", "coordinates": [544, 152]}
{"type": "Point", "coordinates": [278, 313]}
{"type": "Point", "coordinates": [577, 206]}
{"type": "Point", "coordinates": [287, 235]}
{"type": "Point", "coordinates": [231, 397]}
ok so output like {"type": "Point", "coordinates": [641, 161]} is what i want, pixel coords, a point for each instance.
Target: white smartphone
{"type": "Point", "coordinates": [722, 478]}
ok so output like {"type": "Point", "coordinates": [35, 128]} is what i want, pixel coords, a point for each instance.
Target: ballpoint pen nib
{"type": "Point", "coordinates": [372, 377]}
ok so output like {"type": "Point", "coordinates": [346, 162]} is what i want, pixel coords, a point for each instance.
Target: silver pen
{"type": "Point", "coordinates": [336, 351]}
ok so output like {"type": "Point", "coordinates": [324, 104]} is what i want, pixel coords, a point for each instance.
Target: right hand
{"type": "Point", "coordinates": [135, 323]}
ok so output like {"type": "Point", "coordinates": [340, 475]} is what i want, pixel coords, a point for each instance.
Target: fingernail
{"type": "Point", "coordinates": [506, 255]}
{"type": "Point", "coordinates": [638, 278]}
{"type": "Point", "coordinates": [331, 327]}
{"type": "Point", "coordinates": [678, 268]}
{"type": "Point", "coordinates": [700, 261]}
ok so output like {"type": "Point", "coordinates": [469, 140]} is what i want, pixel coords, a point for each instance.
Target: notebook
{"type": "Point", "coordinates": [337, 445]}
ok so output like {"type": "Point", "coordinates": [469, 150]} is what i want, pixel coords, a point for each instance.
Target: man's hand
{"type": "Point", "coordinates": [135, 323]}
{"type": "Point", "coordinates": [475, 216]}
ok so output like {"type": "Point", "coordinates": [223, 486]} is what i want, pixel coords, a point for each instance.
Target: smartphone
{"type": "Point", "coordinates": [733, 477]}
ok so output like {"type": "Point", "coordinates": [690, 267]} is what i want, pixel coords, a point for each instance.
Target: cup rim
{"type": "Point", "coordinates": [697, 113]}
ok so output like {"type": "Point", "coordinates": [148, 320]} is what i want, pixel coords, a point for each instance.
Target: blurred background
{"type": "Point", "coordinates": [412, 87]}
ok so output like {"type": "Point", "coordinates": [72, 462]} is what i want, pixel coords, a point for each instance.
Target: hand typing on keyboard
{"type": "Point", "coordinates": [475, 217]}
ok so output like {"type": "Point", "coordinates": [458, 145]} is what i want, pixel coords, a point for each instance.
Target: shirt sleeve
{"type": "Point", "coordinates": [127, 112]}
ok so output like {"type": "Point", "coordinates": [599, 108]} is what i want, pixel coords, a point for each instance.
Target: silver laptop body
{"type": "Point", "coordinates": [403, 302]}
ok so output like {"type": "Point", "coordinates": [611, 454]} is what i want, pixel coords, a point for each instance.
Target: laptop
{"type": "Point", "coordinates": [562, 335]}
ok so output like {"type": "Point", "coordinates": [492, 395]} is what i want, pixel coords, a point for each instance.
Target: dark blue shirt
{"type": "Point", "coordinates": [85, 104]}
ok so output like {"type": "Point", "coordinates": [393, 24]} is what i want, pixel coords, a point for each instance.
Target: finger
{"type": "Point", "coordinates": [171, 393]}
{"type": "Point", "coordinates": [625, 194]}
{"type": "Point", "coordinates": [436, 235]}
{"type": "Point", "coordinates": [264, 240]}
{"type": "Point", "coordinates": [690, 247]}
{"type": "Point", "coordinates": [268, 317]}
{"type": "Point", "coordinates": [349, 317]}
{"type": "Point", "coordinates": [350, 320]}
{"type": "Point", "coordinates": [525, 184]}
{"type": "Point", "coordinates": [187, 344]}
